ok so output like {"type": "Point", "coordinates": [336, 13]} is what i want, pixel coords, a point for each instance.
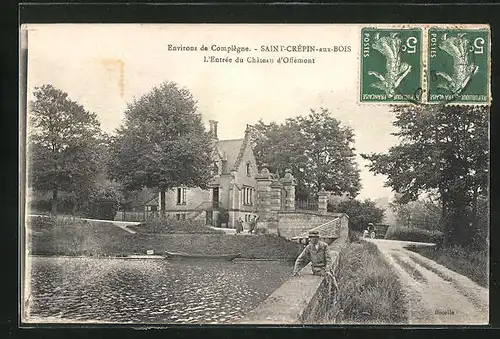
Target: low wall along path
{"type": "Point", "coordinates": [302, 299]}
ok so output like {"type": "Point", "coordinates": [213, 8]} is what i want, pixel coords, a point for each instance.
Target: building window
{"type": "Point", "coordinates": [180, 216]}
{"type": "Point", "coordinates": [216, 168]}
{"type": "Point", "coordinates": [248, 169]}
{"type": "Point", "coordinates": [247, 195]}
{"type": "Point", "coordinates": [181, 195]}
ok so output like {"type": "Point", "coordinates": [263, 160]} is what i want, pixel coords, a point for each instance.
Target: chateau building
{"type": "Point", "coordinates": [232, 190]}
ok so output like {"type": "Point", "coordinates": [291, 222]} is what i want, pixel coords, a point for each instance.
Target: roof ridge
{"type": "Point", "coordinates": [241, 153]}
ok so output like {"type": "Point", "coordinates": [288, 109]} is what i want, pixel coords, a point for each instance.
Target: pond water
{"type": "Point", "coordinates": [151, 291]}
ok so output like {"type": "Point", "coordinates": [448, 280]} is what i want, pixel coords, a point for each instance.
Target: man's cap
{"type": "Point", "coordinates": [313, 234]}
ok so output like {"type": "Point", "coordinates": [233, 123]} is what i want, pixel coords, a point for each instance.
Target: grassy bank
{"type": "Point", "coordinates": [413, 234]}
{"type": "Point", "coordinates": [72, 237]}
{"type": "Point", "coordinates": [369, 291]}
{"type": "Point", "coordinates": [466, 261]}
{"type": "Point", "coordinates": [169, 225]}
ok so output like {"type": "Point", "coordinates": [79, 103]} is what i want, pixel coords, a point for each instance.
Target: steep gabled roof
{"type": "Point", "coordinates": [230, 150]}
{"type": "Point", "coordinates": [244, 144]}
{"type": "Point", "coordinates": [235, 150]}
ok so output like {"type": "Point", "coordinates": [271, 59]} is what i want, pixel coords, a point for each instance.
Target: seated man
{"type": "Point", "coordinates": [317, 253]}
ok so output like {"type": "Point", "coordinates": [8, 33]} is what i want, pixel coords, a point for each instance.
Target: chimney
{"type": "Point", "coordinates": [213, 128]}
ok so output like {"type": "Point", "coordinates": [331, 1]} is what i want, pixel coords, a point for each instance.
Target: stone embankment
{"type": "Point", "coordinates": [102, 238]}
{"type": "Point", "coordinates": [302, 299]}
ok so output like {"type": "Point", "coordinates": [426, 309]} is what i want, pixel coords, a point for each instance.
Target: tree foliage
{"type": "Point", "coordinates": [62, 139]}
{"type": "Point", "coordinates": [422, 214]}
{"type": "Point", "coordinates": [162, 143]}
{"type": "Point", "coordinates": [360, 213]}
{"type": "Point", "coordinates": [443, 149]}
{"type": "Point", "coordinates": [317, 148]}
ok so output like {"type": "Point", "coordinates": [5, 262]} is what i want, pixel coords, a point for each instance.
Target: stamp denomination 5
{"type": "Point", "coordinates": [391, 65]}
{"type": "Point", "coordinates": [458, 65]}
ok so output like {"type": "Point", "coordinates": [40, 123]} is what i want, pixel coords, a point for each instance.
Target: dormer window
{"type": "Point", "coordinates": [248, 169]}
{"type": "Point", "coordinates": [216, 168]}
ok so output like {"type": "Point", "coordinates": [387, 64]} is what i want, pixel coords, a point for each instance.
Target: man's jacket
{"type": "Point", "coordinates": [319, 258]}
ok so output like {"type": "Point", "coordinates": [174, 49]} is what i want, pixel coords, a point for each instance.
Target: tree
{"type": "Point", "coordinates": [360, 213]}
{"type": "Point", "coordinates": [162, 143]}
{"type": "Point", "coordinates": [423, 214]}
{"type": "Point", "coordinates": [444, 150]}
{"type": "Point", "coordinates": [317, 148]}
{"type": "Point", "coordinates": [84, 193]}
{"type": "Point", "coordinates": [62, 139]}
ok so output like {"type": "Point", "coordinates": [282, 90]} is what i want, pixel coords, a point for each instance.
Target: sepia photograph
{"type": "Point", "coordinates": [237, 174]}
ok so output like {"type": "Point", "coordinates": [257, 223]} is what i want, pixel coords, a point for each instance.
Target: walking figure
{"type": "Point", "coordinates": [253, 225]}
{"type": "Point", "coordinates": [239, 225]}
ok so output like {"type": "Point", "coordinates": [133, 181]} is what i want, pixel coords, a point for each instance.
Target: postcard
{"type": "Point", "coordinates": [255, 174]}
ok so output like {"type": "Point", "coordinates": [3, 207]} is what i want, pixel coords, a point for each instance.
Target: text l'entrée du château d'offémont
{"type": "Point", "coordinates": [262, 49]}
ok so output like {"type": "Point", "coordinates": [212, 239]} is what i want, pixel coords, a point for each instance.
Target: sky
{"type": "Point", "coordinates": [104, 67]}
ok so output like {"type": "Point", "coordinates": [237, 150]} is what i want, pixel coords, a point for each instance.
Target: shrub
{"type": "Point", "coordinates": [414, 234]}
{"type": "Point", "coordinates": [354, 236]}
{"type": "Point", "coordinates": [360, 213]}
{"type": "Point", "coordinates": [103, 204]}
{"type": "Point", "coordinates": [43, 203]}
{"type": "Point", "coordinates": [170, 224]}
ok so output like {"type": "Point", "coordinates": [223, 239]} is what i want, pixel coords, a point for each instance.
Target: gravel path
{"type": "Point", "coordinates": [435, 294]}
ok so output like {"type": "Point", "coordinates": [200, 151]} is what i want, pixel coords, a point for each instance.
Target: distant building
{"type": "Point", "coordinates": [232, 190]}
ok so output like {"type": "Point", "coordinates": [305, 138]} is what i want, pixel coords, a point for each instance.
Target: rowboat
{"type": "Point", "coordinates": [139, 256]}
{"type": "Point", "coordinates": [228, 257]}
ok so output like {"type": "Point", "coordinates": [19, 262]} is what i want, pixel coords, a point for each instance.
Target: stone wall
{"type": "Point", "coordinates": [292, 223]}
{"type": "Point", "coordinates": [250, 246]}
{"type": "Point", "coordinates": [104, 239]}
{"type": "Point", "coordinates": [300, 300]}
{"type": "Point", "coordinates": [277, 210]}
{"type": "Point", "coordinates": [319, 305]}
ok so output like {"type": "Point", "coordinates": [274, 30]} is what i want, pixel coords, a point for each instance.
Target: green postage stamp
{"type": "Point", "coordinates": [458, 65]}
{"type": "Point", "coordinates": [391, 65]}
{"type": "Point", "coordinates": [425, 64]}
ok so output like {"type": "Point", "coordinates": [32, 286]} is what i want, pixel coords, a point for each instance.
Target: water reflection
{"type": "Point", "coordinates": [159, 291]}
